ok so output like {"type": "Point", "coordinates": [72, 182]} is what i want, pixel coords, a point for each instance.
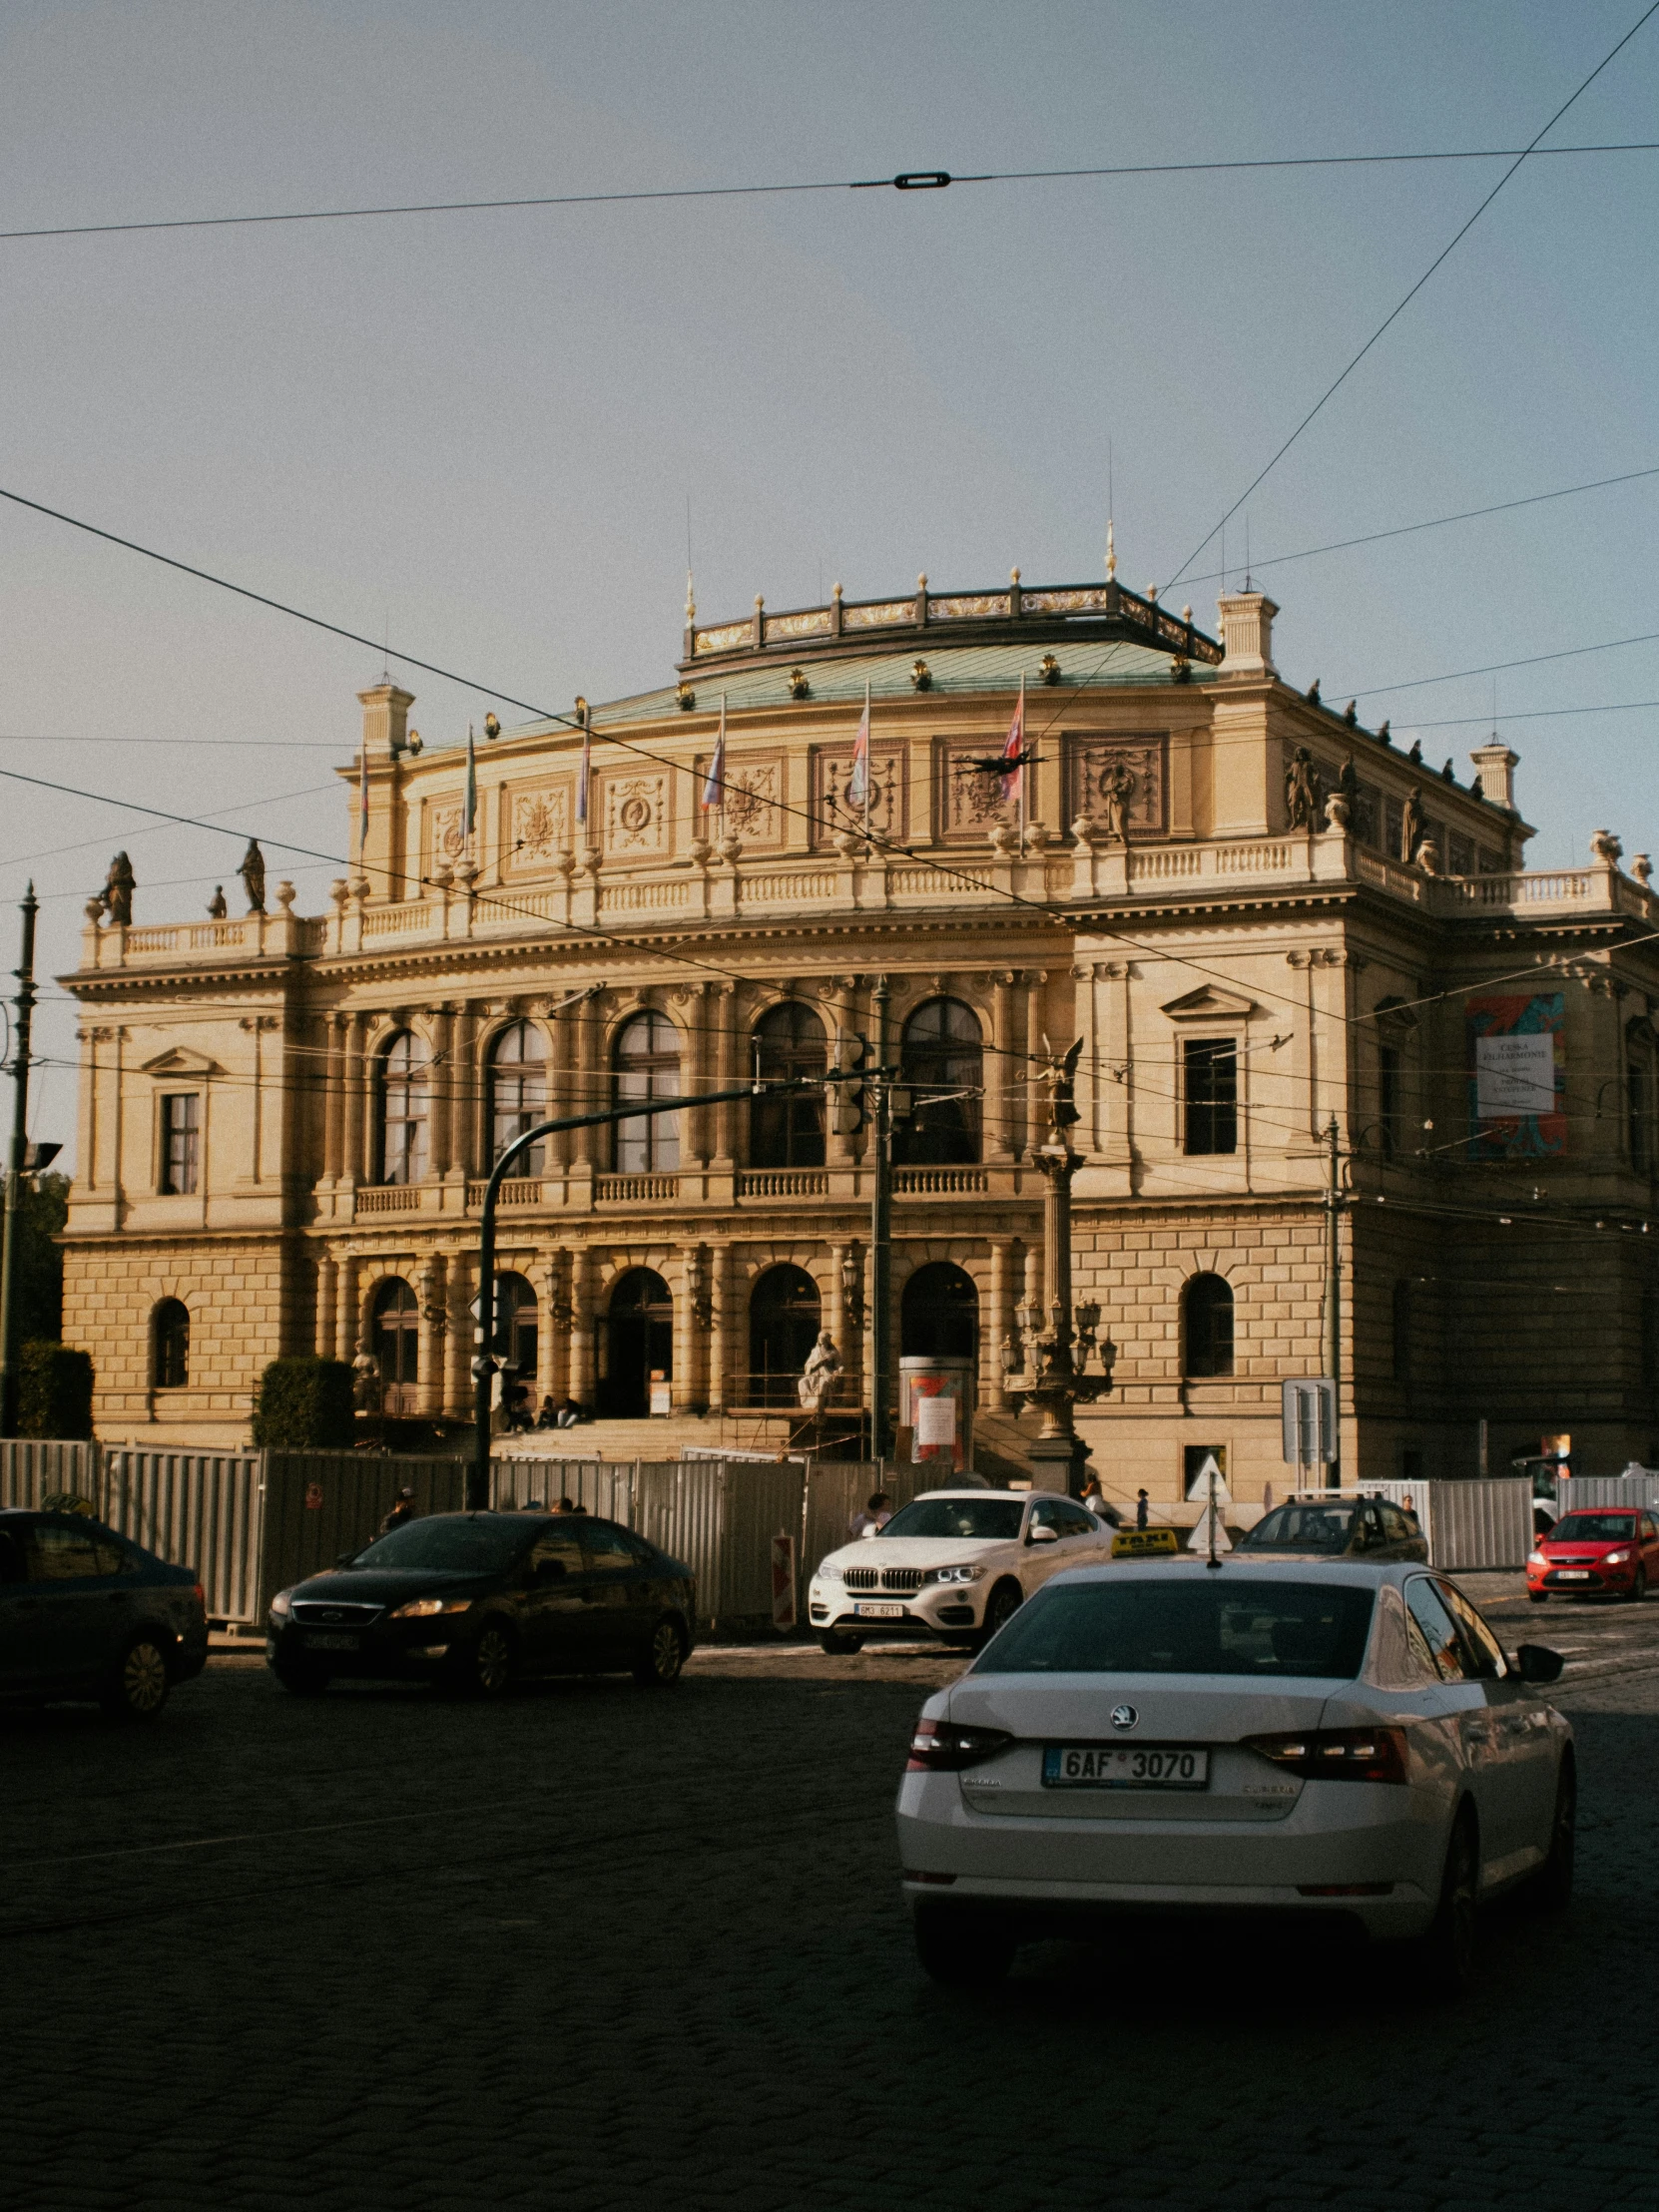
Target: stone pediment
{"type": "Point", "coordinates": [1208, 1004]}
{"type": "Point", "coordinates": [177, 1060]}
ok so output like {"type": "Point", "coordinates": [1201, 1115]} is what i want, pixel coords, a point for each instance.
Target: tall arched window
{"type": "Point", "coordinates": [518, 1093]}
{"type": "Point", "coordinates": [647, 1064]}
{"type": "Point", "coordinates": [515, 1326]}
{"type": "Point", "coordinates": [788, 1132]}
{"type": "Point", "coordinates": [938, 1315]}
{"type": "Point", "coordinates": [941, 1059]}
{"type": "Point", "coordinates": [1207, 1330]}
{"type": "Point", "coordinates": [403, 1110]}
{"type": "Point", "coordinates": [398, 1344]}
{"type": "Point", "coordinates": [783, 1321]}
{"type": "Point", "coordinates": [170, 1343]}
{"type": "Point", "coordinates": [636, 1345]}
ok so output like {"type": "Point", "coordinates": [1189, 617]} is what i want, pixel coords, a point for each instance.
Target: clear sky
{"type": "Point", "coordinates": [479, 432]}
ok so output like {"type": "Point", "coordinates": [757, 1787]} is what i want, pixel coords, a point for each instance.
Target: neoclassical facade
{"type": "Point", "coordinates": [1260, 917]}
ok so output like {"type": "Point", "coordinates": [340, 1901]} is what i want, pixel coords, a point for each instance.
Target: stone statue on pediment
{"type": "Point", "coordinates": [1300, 798]}
{"type": "Point", "coordinates": [252, 872]}
{"type": "Point", "coordinates": [1411, 824]}
{"type": "Point", "coordinates": [116, 898]}
{"type": "Point", "coordinates": [1117, 788]}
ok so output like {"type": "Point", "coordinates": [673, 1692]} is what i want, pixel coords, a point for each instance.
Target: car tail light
{"type": "Point", "coordinates": [944, 1746]}
{"type": "Point", "coordinates": [1336, 1754]}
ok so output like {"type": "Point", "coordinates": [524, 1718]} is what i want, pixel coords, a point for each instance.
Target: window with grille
{"type": "Point", "coordinates": [1210, 1068]}
{"type": "Point", "coordinates": [647, 1065]}
{"type": "Point", "coordinates": [180, 1141]}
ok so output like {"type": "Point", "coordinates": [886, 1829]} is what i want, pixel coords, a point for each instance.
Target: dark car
{"type": "Point", "coordinates": [1337, 1528]}
{"type": "Point", "coordinates": [87, 1613]}
{"type": "Point", "coordinates": [478, 1600]}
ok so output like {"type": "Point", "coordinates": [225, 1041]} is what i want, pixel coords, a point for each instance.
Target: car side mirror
{"type": "Point", "coordinates": [1538, 1663]}
{"type": "Point", "coordinates": [1041, 1533]}
{"type": "Point", "coordinates": [551, 1570]}
{"type": "Point", "coordinates": [345, 1558]}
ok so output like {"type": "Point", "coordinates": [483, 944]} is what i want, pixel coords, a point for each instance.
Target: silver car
{"type": "Point", "coordinates": [1264, 1738]}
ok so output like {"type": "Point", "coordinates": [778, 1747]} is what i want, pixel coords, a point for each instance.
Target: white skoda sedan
{"type": "Point", "coordinates": [1262, 1738]}
{"type": "Point", "coordinates": [957, 1563]}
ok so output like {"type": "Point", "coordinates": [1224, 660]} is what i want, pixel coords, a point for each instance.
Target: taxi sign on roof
{"type": "Point", "coordinates": [1143, 1543]}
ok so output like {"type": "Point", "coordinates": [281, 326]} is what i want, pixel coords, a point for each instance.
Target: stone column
{"type": "Point", "coordinates": [327, 1289]}
{"type": "Point", "coordinates": [581, 1326]}
{"type": "Point", "coordinates": [1034, 1281]}
{"type": "Point", "coordinates": [346, 1308]}
{"type": "Point", "coordinates": [333, 1098]}
{"type": "Point", "coordinates": [1036, 1023]}
{"type": "Point", "coordinates": [726, 1115]}
{"type": "Point", "coordinates": [561, 1084]}
{"type": "Point", "coordinates": [441, 1088]}
{"type": "Point", "coordinates": [435, 1331]}
{"type": "Point", "coordinates": [358, 1073]}
{"type": "Point", "coordinates": [1000, 1324]}
{"type": "Point", "coordinates": [553, 1333]}
{"type": "Point", "coordinates": [720, 1295]}
{"type": "Point", "coordinates": [1003, 1072]}
{"type": "Point", "coordinates": [684, 1380]}
{"type": "Point", "coordinates": [694, 1146]}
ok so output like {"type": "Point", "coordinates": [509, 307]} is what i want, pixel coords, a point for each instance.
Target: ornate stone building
{"type": "Point", "coordinates": [1260, 917]}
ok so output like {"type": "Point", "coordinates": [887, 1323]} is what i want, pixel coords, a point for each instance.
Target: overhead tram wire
{"type": "Point", "coordinates": [922, 180]}
{"type": "Point", "coordinates": [1400, 308]}
{"type": "Point", "coordinates": [1497, 668]}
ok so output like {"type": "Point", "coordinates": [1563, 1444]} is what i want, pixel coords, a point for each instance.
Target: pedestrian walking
{"type": "Point", "coordinates": [403, 1509]}
{"type": "Point", "coordinates": [1141, 1509]}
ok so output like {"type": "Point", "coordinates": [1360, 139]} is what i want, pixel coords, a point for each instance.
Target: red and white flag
{"type": "Point", "coordinates": [714, 783]}
{"type": "Point", "coordinates": [858, 782]}
{"type": "Point", "coordinates": [1013, 773]}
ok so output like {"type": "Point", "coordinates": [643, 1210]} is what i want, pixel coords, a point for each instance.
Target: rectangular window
{"type": "Point", "coordinates": [180, 1141]}
{"type": "Point", "coordinates": [1394, 826]}
{"type": "Point", "coordinates": [1212, 1094]}
{"type": "Point", "coordinates": [1388, 1099]}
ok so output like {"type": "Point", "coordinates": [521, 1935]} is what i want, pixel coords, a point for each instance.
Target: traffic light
{"type": "Point", "coordinates": [848, 1099]}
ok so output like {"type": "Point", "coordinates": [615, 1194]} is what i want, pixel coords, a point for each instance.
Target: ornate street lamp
{"type": "Point", "coordinates": [1055, 1379]}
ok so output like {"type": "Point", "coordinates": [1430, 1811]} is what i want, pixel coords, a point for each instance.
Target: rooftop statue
{"type": "Point", "coordinates": [116, 898]}
{"type": "Point", "coordinates": [252, 872]}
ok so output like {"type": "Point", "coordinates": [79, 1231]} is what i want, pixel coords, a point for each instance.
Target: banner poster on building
{"type": "Point", "coordinates": [1517, 1063]}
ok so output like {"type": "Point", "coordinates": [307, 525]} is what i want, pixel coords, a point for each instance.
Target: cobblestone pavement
{"type": "Point", "coordinates": [600, 1946]}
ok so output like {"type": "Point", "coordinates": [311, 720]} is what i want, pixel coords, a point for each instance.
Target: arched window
{"type": "Point", "coordinates": [941, 1059]}
{"type": "Point", "coordinates": [783, 1321]}
{"type": "Point", "coordinates": [636, 1345]}
{"type": "Point", "coordinates": [789, 1132]}
{"type": "Point", "coordinates": [403, 1110]}
{"type": "Point", "coordinates": [518, 1093]}
{"type": "Point", "coordinates": [170, 1343]}
{"type": "Point", "coordinates": [1208, 1331]}
{"type": "Point", "coordinates": [398, 1344]}
{"type": "Point", "coordinates": [938, 1315]}
{"type": "Point", "coordinates": [647, 1063]}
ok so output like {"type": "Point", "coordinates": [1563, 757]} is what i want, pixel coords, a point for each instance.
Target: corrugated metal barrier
{"type": "Point", "coordinates": [1608, 1489]}
{"type": "Point", "coordinates": [31, 1469]}
{"type": "Point", "coordinates": [197, 1509]}
{"type": "Point", "coordinates": [1469, 1524]}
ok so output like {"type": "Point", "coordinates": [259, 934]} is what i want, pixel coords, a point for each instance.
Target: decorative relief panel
{"type": "Point", "coordinates": [634, 810]}
{"type": "Point", "coordinates": [874, 617]}
{"type": "Point", "coordinates": [446, 838]}
{"type": "Point", "coordinates": [888, 807]}
{"type": "Point", "coordinates": [1120, 783]}
{"type": "Point", "coordinates": [967, 801]}
{"type": "Point", "coordinates": [536, 825]}
{"type": "Point", "coordinates": [752, 807]}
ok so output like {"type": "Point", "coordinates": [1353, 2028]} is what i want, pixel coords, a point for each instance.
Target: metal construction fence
{"type": "Point", "coordinates": [251, 1523]}
{"type": "Point", "coordinates": [1469, 1525]}
{"type": "Point", "coordinates": [1608, 1489]}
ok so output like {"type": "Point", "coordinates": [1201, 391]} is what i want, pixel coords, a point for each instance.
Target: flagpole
{"type": "Point", "coordinates": [719, 755]}
{"type": "Point", "coordinates": [869, 765]}
{"type": "Point", "coordinates": [1023, 763]}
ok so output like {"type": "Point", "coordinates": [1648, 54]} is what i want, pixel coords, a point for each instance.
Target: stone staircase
{"type": "Point", "coordinates": [662, 1439]}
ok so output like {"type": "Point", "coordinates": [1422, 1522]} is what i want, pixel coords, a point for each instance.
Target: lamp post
{"type": "Point", "coordinates": [16, 1163]}
{"type": "Point", "coordinates": [1054, 1377]}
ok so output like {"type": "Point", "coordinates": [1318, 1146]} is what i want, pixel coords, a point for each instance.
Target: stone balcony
{"type": "Point", "coordinates": [713, 889]}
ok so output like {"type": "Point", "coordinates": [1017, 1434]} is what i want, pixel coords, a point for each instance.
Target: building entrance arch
{"type": "Point", "coordinates": [938, 1315]}
{"type": "Point", "coordinates": [785, 1316]}
{"type": "Point", "coordinates": [396, 1342]}
{"type": "Point", "coordinates": [636, 1342]}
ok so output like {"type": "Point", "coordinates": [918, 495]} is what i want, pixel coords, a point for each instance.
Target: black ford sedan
{"type": "Point", "coordinates": [477, 1600]}
{"type": "Point", "coordinates": [87, 1613]}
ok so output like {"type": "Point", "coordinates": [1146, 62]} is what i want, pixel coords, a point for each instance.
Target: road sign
{"type": "Point", "coordinates": [1309, 1421]}
{"type": "Point", "coordinates": [1209, 1484]}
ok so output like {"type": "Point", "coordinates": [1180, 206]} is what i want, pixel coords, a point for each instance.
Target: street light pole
{"type": "Point", "coordinates": [1334, 1302]}
{"type": "Point", "coordinates": [478, 1477]}
{"type": "Point", "coordinates": [880, 1228]}
{"type": "Point", "coordinates": [15, 1157]}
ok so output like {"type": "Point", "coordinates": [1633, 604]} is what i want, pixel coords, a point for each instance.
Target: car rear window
{"type": "Point", "coordinates": [1223, 1625]}
{"type": "Point", "coordinates": [1592, 1528]}
{"type": "Point", "coordinates": [452, 1542]}
{"type": "Point", "coordinates": [1303, 1528]}
{"type": "Point", "coordinates": [990, 1520]}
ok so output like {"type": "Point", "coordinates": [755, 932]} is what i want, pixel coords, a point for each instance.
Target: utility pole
{"type": "Point", "coordinates": [880, 1228]}
{"type": "Point", "coordinates": [1333, 1303]}
{"type": "Point", "coordinates": [14, 1172]}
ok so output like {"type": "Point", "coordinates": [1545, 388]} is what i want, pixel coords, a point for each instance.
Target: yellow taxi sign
{"type": "Point", "coordinates": [1143, 1543]}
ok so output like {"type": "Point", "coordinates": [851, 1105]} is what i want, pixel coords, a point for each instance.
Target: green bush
{"type": "Point", "coordinates": [54, 1391]}
{"type": "Point", "coordinates": [304, 1404]}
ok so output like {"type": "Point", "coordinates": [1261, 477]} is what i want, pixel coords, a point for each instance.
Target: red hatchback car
{"type": "Point", "coordinates": [1595, 1549]}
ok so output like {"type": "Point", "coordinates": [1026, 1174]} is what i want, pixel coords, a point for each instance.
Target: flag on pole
{"type": "Point", "coordinates": [1013, 773]}
{"type": "Point", "coordinates": [858, 782]}
{"type": "Point", "coordinates": [470, 811]}
{"type": "Point", "coordinates": [582, 771]}
{"type": "Point", "coordinates": [714, 783]}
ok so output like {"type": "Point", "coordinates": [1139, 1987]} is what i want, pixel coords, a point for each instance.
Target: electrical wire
{"type": "Point", "coordinates": [1496, 668]}
{"type": "Point", "coordinates": [930, 180]}
{"type": "Point", "coordinates": [1398, 309]}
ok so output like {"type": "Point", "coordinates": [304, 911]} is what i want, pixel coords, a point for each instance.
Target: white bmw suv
{"type": "Point", "coordinates": [957, 1563]}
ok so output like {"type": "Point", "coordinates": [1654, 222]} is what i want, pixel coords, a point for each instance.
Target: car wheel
{"type": "Point", "coordinates": [1000, 1607]}
{"type": "Point", "coordinates": [302, 1681]}
{"type": "Point", "coordinates": [962, 1950]}
{"type": "Point", "coordinates": [839, 1646]}
{"type": "Point", "coordinates": [660, 1663]}
{"type": "Point", "coordinates": [1448, 1947]}
{"type": "Point", "coordinates": [492, 1662]}
{"type": "Point", "coordinates": [1551, 1886]}
{"type": "Point", "coordinates": [1638, 1588]}
{"type": "Point", "coordinates": [137, 1689]}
